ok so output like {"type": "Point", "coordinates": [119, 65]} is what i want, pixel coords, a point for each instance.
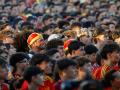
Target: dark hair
{"type": "Point", "coordinates": [2, 62]}
{"type": "Point", "coordinates": [63, 23]}
{"type": "Point", "coordinates": [39, 58]}
{"type": "Point", "coordinates": [17, 57]}
{"type": "Point", "coordinates": [91, 85]}
{"type": "Point", "coordinates": [54, 44]}
{"type": "Point", "coordinates": [108, 78]}
{"type": "Point", "coordinates": [51, 52]}
{"type": "Point", "coordinates": [74, 45]}
{"type": "Point", "coordinates": [90, 49]}
{"type": "Point", "coordinates": [81, 61]}
{"type": "Point", "coordinates": [62, 65]}
{"type": "Point", "coordinates": [109, 48]}
{"type": "Point", "coordinates": [65, 63]}
{"type": "Point", "coordinates": [30, 72]}
{"type": "Point", "coordinates": [75, 24]}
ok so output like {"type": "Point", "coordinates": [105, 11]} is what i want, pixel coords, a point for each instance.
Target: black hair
{"type": "Point", "coordinates": [90, 49]}
{"type": "Point", "coordinates": [91, 85]}
{"type": "Point", "coordinates": [62, 65]}
{"type": "Point", "coordinates": [65, 63]}
{"type": "Point", "coordinates": [108, 78]}
{"type": "Point", "coordinates": [74, 45]}
{"type": "Point", "coordinates": [54, 44]}
{"type": "Point", "coordinates": [51, 52]}
{"type": "Point", "coordinates": [46, 17]}
{"type": "Point", "coordinates": [38, 59]}
{"type": "Point", "coordinates": [81, 61]}
{"type": "Point", "coordinates": [75, 24]}
{"type": "Point", "coordinates": [63, 23]}
{"type": "Point", "coordinates": [17, 57]}
{"type": "Point", "coordinates": [109, 48]}
{"type": "Point", "coordinates": [30, 72]}
{"type": "Point", "coordinates": [3, 63]}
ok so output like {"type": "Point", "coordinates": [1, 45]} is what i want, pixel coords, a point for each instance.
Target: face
{"type": "Point", "coordinates": [116, 82]}
{"type": "Point", "coordinates": [71, 72]}
{"type": "Point", "coordinates": [114, 57]}
{"type": "Point", "coordinates": [43, 65]}
{"type": "Point", "coordinates": [80, 51]}
{"type": "Point", "coordinates": [22, 64]}
{"type": "Point", "coordinates": [48, 69]}
{"type": "Point", "coordinates": [112, 27]}
{"type": "Point", "coordinates": [56, 56]}
{"type": "Point", "coordinates": [92, 57]}
{"type": "Point", "coordinates": [39, 79]}
{"type": "Point", "coordinates": [61, 51]}
{"type": "Point", "coordinates": [113, 8]}
{"type": "Point", "coordinates": [38, 45]}
{"type": "Point", "coordinates": [3, 73]}
{"type": "Point", "coordinates": [22, 6]}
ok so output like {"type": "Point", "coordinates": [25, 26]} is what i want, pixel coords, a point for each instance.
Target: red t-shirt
{"type": "Point", "coordinates": [4, 86]}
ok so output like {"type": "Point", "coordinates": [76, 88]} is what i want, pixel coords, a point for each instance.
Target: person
{"type": "Point", "coordinates": [76, 48]}
{"type": "Point", "coordinates": [36, 42]}
{"type": "Point", "coordinates": [19, 61]}
{"type": "Point", "coordinates": [65, 71]}
{"type": "Point", "coordinates": [83, 68]}
{"type": "Point", "coordinates": [110, 56]}
{"type": "Point", "coordinates": [54, 54]}
{"type": "Point", "coordinates": [90, 85]}
{"type": "Point", "coordinates": [111, 80]}
{"type": "Point", "coordinates": [34, 76]}
{"type": "Point", "coordinates": [41, 61]}
{"type": "Point", "coordinates": [91, 53]}
{"type": "Point", "coordinates": [3, 74]}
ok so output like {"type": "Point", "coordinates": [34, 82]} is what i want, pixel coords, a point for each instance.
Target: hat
{"type": "Point", "coordinates": [54, 36]}
{"type": "Point", "coordinates": [33, 37]}
{"type": "Point", "coordinates": [67, 43]}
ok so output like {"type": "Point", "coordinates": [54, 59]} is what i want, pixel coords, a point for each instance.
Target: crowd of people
{"type": "Point", "coordinates": [59, 44]}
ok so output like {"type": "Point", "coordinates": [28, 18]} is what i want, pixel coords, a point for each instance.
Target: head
{"type": "Point", "coordinates": [40, 60]}
{"type": "Point", "coordinates": [83, 67]}
{"type": "Point", "coordinates": [76, 27]}
{"type": "Point", "coordinates": [112, 79]}
{"type": "Point", "coordinates": [110, 52]}
{"type": "Point", "coordinates": [36, 42]}
{"type": "Point", "coordinates": [76, 48]}
{"type": "Point", "coordinates": [57, 44]}
{"type": "Point", "coordinates": [54, 54]}
{"type": "Point", "coordinates": [3, 69]}
{"type": "Point", "coordinates": [19, 61]}
{"type": "Point", "coordinates": [90, 85]}
{"type": "Point", "coordinates": [91, 52]}
{"type": "Point", "coordinates": [34, 75]}
{"type": "Point", "coordinates": [67, 69]}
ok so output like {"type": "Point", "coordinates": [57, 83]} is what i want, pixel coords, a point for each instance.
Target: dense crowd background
{"type": "Point", "coordinates": [59, 44]}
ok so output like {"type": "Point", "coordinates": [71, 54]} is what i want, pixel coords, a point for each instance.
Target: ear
{"type": "Point", "coordinates": [73, 52]}
{"type": "Point", "coordinates": [61, 74]}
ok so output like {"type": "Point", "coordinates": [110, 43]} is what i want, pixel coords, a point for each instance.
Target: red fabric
{"type": "Point", "coordinates": [48, 84]}
{"type": "Point", "coordinates": [108, 88]}
{"type": "Point", "coordinates": [100, 72]}
{"type": "Point", "coordinates": [58, 85]}
{"type": "Point", "coordinates": [5, 86]}
{"type": "Point", "coordinates": [25, 85]}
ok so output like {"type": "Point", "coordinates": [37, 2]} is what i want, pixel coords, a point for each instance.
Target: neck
{"type": "Point", "coordinates": [32, 86]}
